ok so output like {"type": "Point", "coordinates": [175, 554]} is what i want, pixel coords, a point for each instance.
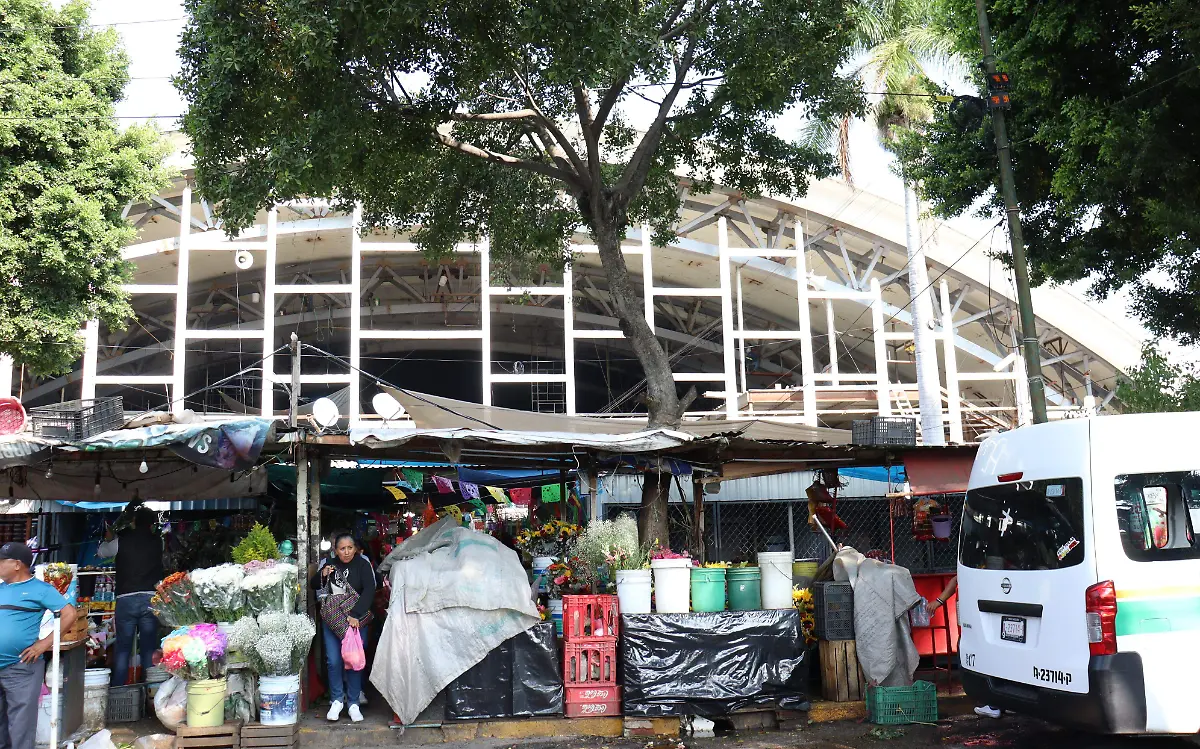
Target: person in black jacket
{"type": "Point", "coordinates": [135, 542]}
{"type": "Point", "coordinates": [344, 570]}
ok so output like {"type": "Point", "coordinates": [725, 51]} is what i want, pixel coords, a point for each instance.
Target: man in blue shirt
{"type": "Point", "coordinates": [23, 601]}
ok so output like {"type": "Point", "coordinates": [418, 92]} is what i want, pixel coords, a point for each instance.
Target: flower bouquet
{"type": "Point", "coordinates": [567, 578]}
{"type": "Point", "coordinates": [282, 645]}
{"type": "Point", "coordinates": [241, 637]}
{"type": "Point", "coordinates": [609, 546]}
{"type": "Point", "coordinates": [175, 601]}
{"type": "Point", "coordinates": [662, 552]}
{"type": "Point", "coordinates": [270, 588]}
{"type": "Point", "coordinates": [59, 575]}
{"type": "Point", "coordinates": [552, 539]}
{"type": "Point", "coordinates": [195, 653]}
{"type": "Point", "coordinates": [219, 589]}
{"type": "Point", "coordinates": [802, 600]}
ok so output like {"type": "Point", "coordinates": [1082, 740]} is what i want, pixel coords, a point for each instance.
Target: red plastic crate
{"type": "Point", "coordinates": [590, 619]}
{"type": "Point", "coordinates": [592, 702]}
{"type": "Point", "coordinates": [590, 664]}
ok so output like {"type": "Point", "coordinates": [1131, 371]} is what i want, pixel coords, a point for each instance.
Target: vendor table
{"type": "Point", "coordinates": [712, 663]}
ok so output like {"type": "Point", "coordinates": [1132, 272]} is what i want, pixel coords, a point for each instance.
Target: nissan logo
{"type": "Point", "coordinates": [1006, 586]}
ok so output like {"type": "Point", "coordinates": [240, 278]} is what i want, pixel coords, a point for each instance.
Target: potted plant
{"type": "Point", "coordinates": [546, 543]}
{"type": "Point", "coordinates": [610, 552]}
{"type": "Point", "coordinates": [672, 580]}
{"type": "Point", "coordinates": [565, 577]}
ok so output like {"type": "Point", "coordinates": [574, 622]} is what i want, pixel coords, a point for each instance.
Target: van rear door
{"type": "Point", "coordinates": [1023, 573]}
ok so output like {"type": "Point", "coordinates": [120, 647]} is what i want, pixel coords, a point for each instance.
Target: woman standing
{"type": "Point", "coordinates": [346, 574]}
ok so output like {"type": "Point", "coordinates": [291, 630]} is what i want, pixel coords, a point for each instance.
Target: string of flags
{"type": "Point", "coordinates": [413, 480]}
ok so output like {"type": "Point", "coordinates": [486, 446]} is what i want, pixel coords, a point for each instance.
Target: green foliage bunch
{"type": "Point", "coordinates": [258, 546]}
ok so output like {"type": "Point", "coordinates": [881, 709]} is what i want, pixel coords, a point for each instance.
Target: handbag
{"type": "Point", "coordinates": [336, 608]}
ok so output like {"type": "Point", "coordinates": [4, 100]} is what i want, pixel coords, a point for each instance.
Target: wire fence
{"type": "Point", "coordinates": [882, 528]}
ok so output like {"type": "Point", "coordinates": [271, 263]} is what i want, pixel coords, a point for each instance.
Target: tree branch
{"type": "Point", "coordinates": [607, 102]}
{"type": "Point", "coordinates": [564, 143]}
{"type": "Point", "coordinates": [520, 114]}
{"type": "Point", "coordinates": [686, 24]}
{"type": "Point", "coordinates": [583, 107]}
{"type": "Point", "coordinates": [554, 172]}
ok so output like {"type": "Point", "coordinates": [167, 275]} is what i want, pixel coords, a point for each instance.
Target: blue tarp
{"type": "Point", "coordinates": [880, 474]}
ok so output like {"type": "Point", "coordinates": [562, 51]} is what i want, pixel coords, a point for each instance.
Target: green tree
{"type": "Point", "coordinates": [66, 174]}
{"type": "Point", "coordinates": [1157, 385]}
{"type": "Point", "coordinates": [504, 118]}
{"type": "Point", "coordinates": [1105, 96]}
{"type": "Point", "coordinates": [896, 44]}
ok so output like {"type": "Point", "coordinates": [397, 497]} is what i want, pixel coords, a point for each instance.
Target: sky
{"type": "Point", "coordinates": [150, 30]}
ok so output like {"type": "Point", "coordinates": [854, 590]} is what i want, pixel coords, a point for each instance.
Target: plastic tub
{"type": "Point", "coordinates": [94, 677]}
{"type": "Point", "coordinates": [803, 572]}
{"type": "Point", "coordinates": [942, 526]}
{"type": "Point", "coordinates": [708, 589]}
{"type": "Point", "coordinates": [745, 593]}
{"type": "Point", "coordinates": [278, 700]}
{"type": "Point", "coordinates": [775, 567]}
{"type": "Point", "coordinates": [556, 614]}
{"type": "Point", "coordinates": [206, 703]}
{"type": "Point", "coordinates": [672, 585]}
{"type": "Point", "coordinates": [541, 568]}
{"type": "Point", "coordinates": [633, 591]}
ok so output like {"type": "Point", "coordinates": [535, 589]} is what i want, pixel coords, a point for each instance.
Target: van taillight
{"type": "Point", "coordinates": [1101, 604]}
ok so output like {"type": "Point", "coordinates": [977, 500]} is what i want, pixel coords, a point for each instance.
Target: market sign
{"type": "Point", "coordinates": [230, 445]}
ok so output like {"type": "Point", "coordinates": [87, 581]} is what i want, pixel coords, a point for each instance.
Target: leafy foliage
{"type": "Point", "coordinates": [1105, 99]}
{"type": "Point", "coordinates": [258, 546]}
{"type": "Point", "coordinates": [66, 174]}
{"type": "Point", "coordinates": [456, 120]}
{"type": "Point", "coordinates": [1157, 385]}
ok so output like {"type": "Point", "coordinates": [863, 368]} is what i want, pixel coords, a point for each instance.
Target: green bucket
{"type": "Point", "coordinates": [745, 588]}
{"type": "Point", "coordinates": [708, 589]}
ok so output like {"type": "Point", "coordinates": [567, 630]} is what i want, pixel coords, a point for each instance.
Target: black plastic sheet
{"type": "Point", "coordinates": [520, 678]}
{"type": "Point", "coordinates": [712, 664]}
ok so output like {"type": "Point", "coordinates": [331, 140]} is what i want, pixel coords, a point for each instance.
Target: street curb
{"type": "Point", "coordinates": [824, 711]}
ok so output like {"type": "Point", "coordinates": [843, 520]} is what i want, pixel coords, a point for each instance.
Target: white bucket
{"type": "Point", "coordinates": [633, 591]}
{"type": "Point", "coordinates": [95, 704]}
{"type": "Point", "coordinates": [541, 568]}
{"type": "Point", "coordinates": [278, 700]}
{"type": "Point", "coordinates": [776, 569]}
{"type": "Point", "coordinates": [672, 585]}
{"type": "Point", "coordinates": [95, 677]}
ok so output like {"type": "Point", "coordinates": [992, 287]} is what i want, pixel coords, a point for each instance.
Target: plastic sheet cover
{"type": "Point", "coordinates": [712, 664]}
{"type": "Point", "coordinates": [520, 678]}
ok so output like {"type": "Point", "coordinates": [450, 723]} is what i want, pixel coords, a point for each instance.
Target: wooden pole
{"type": "Point", "coordinates": [302, 520]}
{"type": "Point", "coordinates": [698, 517]}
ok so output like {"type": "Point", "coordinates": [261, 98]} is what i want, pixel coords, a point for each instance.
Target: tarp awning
{"type": "Point", "coordinates": [940, 472]}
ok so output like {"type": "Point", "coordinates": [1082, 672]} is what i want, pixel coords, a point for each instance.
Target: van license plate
{"type": "Point", "coordinates": [1012, 628]}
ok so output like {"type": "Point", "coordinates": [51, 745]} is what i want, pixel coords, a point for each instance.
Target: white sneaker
{"type": "Point", "coordinates": [987, 711]}
{"type": "Point", "coordinates": [355, 714]}
{"type": "Point", "coordinates": [335, 710]}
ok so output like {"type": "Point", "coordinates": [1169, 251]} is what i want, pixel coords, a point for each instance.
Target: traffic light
{"type": "Point", "coordinates": [998, 81]}
{"type": "Point", "coordinates": [999, 100]}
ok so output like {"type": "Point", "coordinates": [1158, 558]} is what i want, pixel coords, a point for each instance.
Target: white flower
{"type": "Point", "coordinates": [273, 622]}
{"type": "Point", "coordinates": [244, 633]}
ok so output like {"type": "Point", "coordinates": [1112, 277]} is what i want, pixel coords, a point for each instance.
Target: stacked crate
{"type": "Point", "coordinates": [590, 629]}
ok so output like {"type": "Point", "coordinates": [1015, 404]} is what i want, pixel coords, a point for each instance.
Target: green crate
{"type": "Point", "coordinates": [897, 706]}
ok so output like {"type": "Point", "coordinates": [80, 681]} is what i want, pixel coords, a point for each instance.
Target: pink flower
{"type": "Point", "coordinates": [561, 579]}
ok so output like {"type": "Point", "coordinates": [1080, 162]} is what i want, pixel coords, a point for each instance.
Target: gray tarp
{"type": "Point", "coordinates": [883, 594]}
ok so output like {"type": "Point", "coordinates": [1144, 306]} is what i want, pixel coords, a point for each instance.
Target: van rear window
{"type": "Point", "coordinates": [1158, 514]}
{"type": "Point", "coordinates": [1026, 525]}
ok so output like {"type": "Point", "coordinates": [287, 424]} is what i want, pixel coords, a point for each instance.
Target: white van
{"type": "Point", "coordinates": [1079, 573]}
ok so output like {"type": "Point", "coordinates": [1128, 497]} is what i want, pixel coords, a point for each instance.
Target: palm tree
{"type": "Point", "coordinates": [896, 47]}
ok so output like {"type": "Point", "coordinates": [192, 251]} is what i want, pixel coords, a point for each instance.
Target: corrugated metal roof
{"type": "Point", "coordinates": [627, 488]}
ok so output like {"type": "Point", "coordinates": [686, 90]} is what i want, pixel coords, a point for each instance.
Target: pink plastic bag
{"type": "Point", "coordinates": [353, 654]}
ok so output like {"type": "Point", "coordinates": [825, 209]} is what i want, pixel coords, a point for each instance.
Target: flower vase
{"type": "Point", "coordinates": [541, 573]}
{"type": "Point", "coordinates": [556, 615]}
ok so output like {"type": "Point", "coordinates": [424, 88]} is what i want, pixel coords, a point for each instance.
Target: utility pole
{"type": "Point", "coordinates": [1029, 339]}
{"type": "Point", "coordinates": [294, 397]}
{"type": "Point", "coordinates": [302, 475]}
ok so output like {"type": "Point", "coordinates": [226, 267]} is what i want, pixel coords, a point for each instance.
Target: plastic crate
{"type": "Point", "coordinates": [592, 702]}
{"type": "Point", "coordinates": [590, 664]}
{"type": "Point", "coordinates": [833, 608]}
{"type": "Point", "coordinates": [884, 430]}
{"type": "Point", "coordinates": [894, 706]}
{"type": "Point", "coordinates": [589, 619]}
{"type": "Point", "coordinates": [78, 419]}
{"type": "Point", "coordinates": [126, 704]}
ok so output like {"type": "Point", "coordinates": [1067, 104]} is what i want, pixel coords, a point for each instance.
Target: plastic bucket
{"type": "Point", "coordinates": [708, 589]}
{"type": "Point", "coordinates": [672, 585]}
{"type": "Point", "coordinates": [803, 572]}
{"type": "Point", "coordinates": [775, 567]}
{"type": "Point", "coordinates": [556, 615]}
{"type": "Point", "coordinates": [633, 591]}
{"type": "Point", "coordinates": [278, 700]}
{"type": "Point", "coordinates": [94, 677]}
{"type": "Point", "coordinates": [205, 703]}
{"type": "Point", "coordinates": [541, 569]}
{"type": "Point", "coordinates": [95, 703]}
{"type": "Point", "coordinates": [941, 527]}
{"type": "Point", "coordinates": [745, 592]}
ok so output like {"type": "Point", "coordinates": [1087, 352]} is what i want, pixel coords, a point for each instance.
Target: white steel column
{"type": "Point", "coordinates": [883, 388]}
{"type": "Point", "coordinates": [355, 406]}
{"type": "Point", "coordinates": [91, 350]}
{"type": "Point", "coordinates": [741, 326]}
{"type": "Point", "coordinates": [953, 393]}
{"type": "Point", "coordinates": [727, 318]}
{"type": "Point", "coordinates": [569, 335]}
{"type": "Point", "coordinates": [807, 364]}
{"type": "Point", "coordinates": [6, 375]}
{"type": "Point", "coordinates": [831, 336]}
{"type": "Point", "coordinates": [485, 316]}
{"type": "Point", "coordinates": [181, 304]}
{"type": "Point", "coordinates": [933, 431]}
{"type": "Point", "coordinates": [647, 277]}
{"type": "Point", "coordinates": [268, 300]}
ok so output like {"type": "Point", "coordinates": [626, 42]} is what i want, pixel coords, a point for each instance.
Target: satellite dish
{"type": "Point", "coordinates": [12, 415]}
{"type": "Point", "coordinates": [326, 412]}
{"type": "Point", "coordinates": [387, 406]}
{"type": "Point", "coordinates": [243, 259]}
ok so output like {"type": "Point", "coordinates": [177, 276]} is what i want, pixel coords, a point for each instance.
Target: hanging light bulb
{"type": "Point", "coordinates": [50, 472]}
{"type": "Point", "coordinates": [143, 468]}
{"type": "Point", "coordinates": [96, 488]}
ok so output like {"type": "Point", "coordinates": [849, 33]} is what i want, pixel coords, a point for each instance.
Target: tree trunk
{"type": "Point", "coordinates": [924, 338]}
{"type": "Point", "coordinates": [664, 407]}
